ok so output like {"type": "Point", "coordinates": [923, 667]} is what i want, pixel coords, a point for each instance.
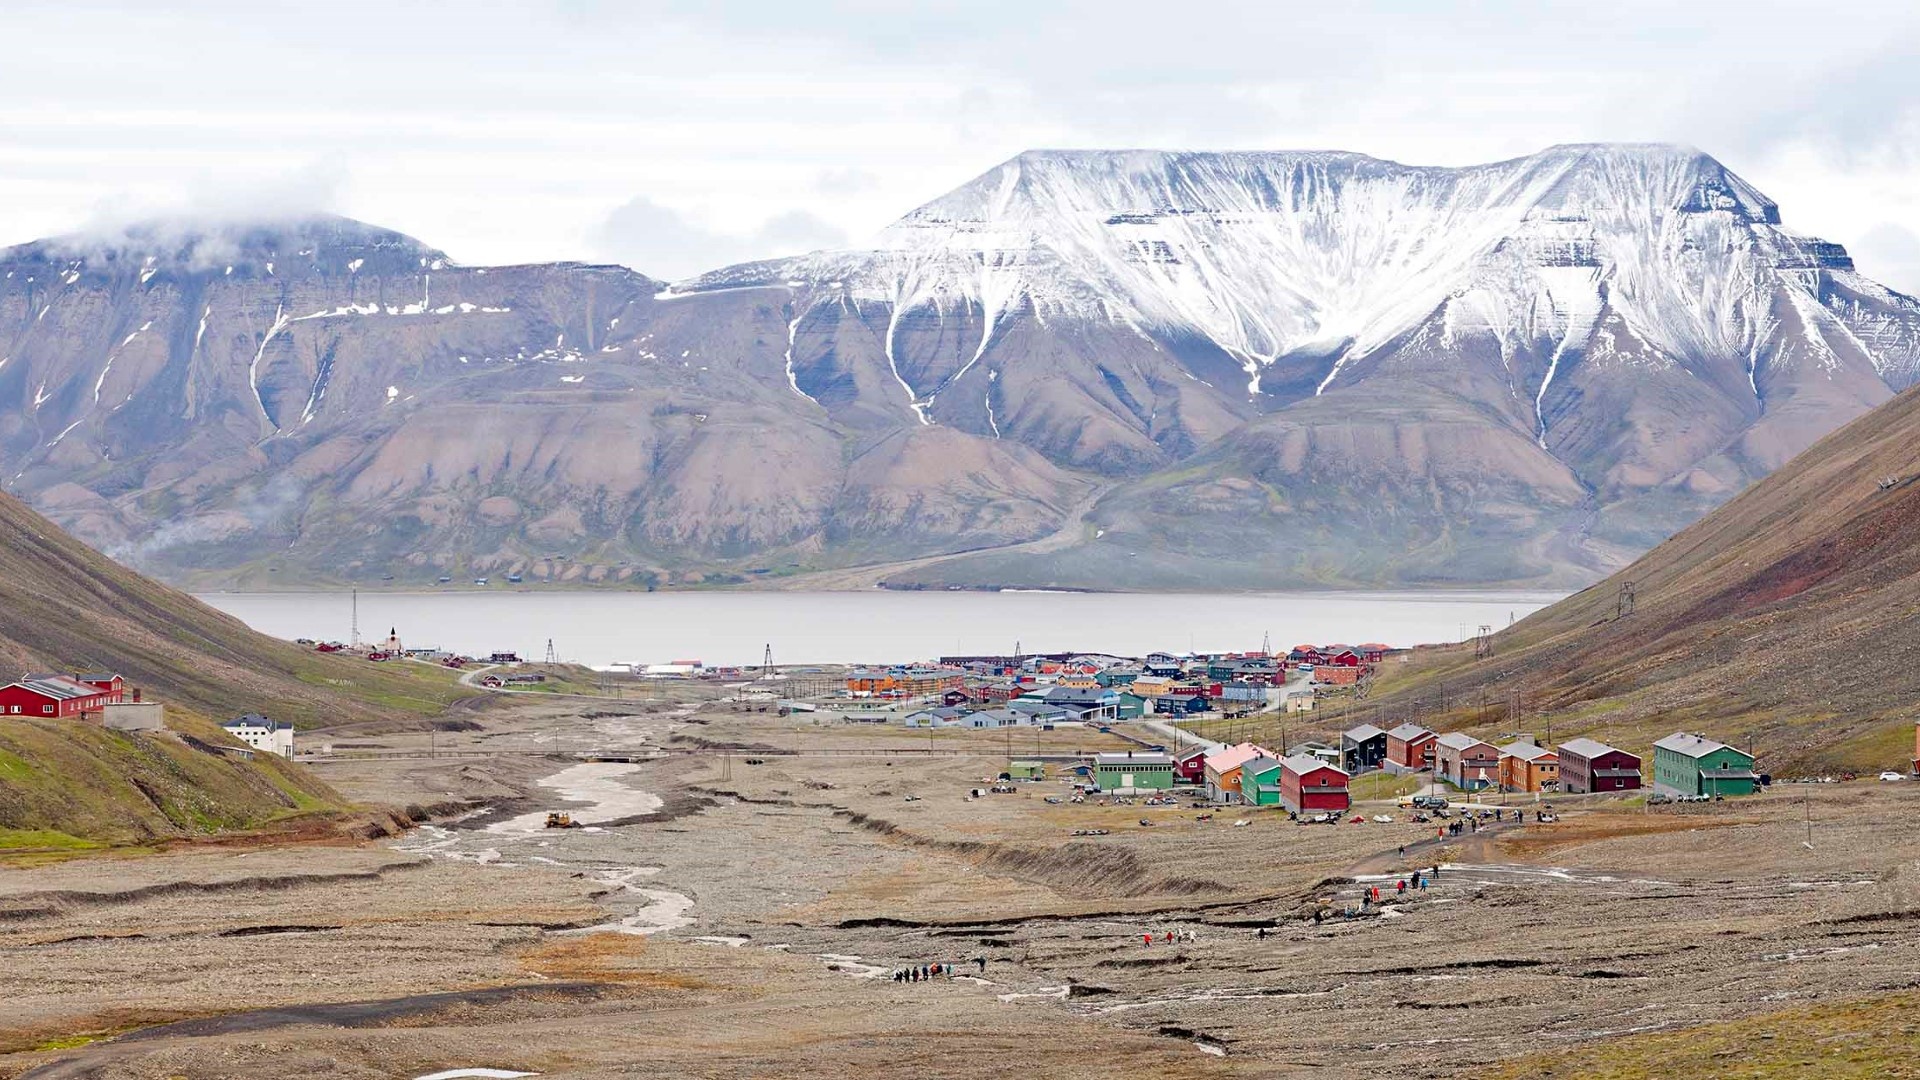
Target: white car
{"type": "Point", "coordinates": [1891, 775]}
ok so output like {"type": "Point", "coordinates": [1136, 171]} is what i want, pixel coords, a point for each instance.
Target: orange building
{"type": "Point", "coordinates": [904, 682]}
{"type": "Point", "coordinates": [1526, 767]}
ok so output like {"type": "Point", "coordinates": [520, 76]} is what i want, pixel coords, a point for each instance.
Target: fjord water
{"type": "Point", "coordinates": [875, 626]}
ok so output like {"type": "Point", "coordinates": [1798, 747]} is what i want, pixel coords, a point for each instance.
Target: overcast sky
{"type": "Point", "coordinates": [677, 136]}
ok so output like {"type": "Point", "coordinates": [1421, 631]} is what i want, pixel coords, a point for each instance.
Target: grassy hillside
{"type": "Point", "coordinates": [1784, 620]}
{"type": "Point", "coordinates": [66, 607]}
{"type": "Point", "coordinates": [67, 787]}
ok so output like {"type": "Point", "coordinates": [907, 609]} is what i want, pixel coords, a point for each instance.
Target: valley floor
{"type": "Point", "coordinates": [742, 913]}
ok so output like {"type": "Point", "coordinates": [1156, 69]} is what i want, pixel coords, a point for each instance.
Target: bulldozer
{"type": "Point", "coordinates": [560, 819]}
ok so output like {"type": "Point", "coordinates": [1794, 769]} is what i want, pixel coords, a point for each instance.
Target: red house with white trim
{"type": "Point", "coordinates": [1310, 785]}
{"type": "Point", "coordinates": [1191, 767]}
{"type": "Point", "coordinates": [58, 696]}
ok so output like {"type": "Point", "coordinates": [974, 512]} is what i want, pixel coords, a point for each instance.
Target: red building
{"type": "Point", "coordinates": [1190, 767]}
{"type": "Point", "coordinates": [114, 685]}
{"type": "Point", "coordinates": [1337, 674]}
{"type": "Point", "coordinates": [1309, 785]}
{"type": "Point", "coordinates": [1588, 766]}
{"type": "Point", "coordinates": [1410, 747]}
{"type": "Point", "coordinates": [59, 696]}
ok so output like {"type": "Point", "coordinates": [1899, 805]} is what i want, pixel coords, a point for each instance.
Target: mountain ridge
{"type": "Point", "coordinates": [1363, 373]}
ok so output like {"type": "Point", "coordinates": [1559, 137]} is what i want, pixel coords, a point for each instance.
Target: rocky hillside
{"type": "Point", "coordinates": [65, 607]}
{"type": "Point", "coordinates": [1274, 368]}
{"type": "Point", "coordinates": [1784, 618]}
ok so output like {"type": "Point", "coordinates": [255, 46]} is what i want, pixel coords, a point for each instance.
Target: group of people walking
{"type": "Point", "coordinates": [929, 972]}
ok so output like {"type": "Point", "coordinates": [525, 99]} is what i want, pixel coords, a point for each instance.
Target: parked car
{"type": "Point", "coordinates": [1430, 802]}
{"type": "Point", "coordinates": [1890, 775]}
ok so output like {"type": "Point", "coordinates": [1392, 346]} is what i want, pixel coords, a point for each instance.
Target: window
{"type": "Point", "coordinates": [46, 710]}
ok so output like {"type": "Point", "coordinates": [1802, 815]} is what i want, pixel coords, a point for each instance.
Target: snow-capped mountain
{"type": "Point", "coordinates": [1278, 367]}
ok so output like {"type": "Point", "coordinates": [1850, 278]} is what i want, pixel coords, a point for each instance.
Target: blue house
{"type": "Point", "coordinates": [1181, 704]}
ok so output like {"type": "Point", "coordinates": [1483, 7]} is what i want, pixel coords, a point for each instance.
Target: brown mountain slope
{"type": "Point", "coordinates": [64, 606]}
{"type": "Point", "coordinates": [1785, 619]}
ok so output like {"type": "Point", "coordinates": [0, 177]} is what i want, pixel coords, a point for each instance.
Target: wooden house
{"type": "Point", "coordinates": [1310, 785]}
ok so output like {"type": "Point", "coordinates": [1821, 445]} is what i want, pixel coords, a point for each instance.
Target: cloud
{"type": "Point", "coordinates": [663, 242]}
{"type": "Point", "coordinates": [847, 181]}
{"type": "Point", "coordinates": [1890, 254]}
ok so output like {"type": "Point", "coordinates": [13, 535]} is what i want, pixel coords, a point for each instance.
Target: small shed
{"type": "Point", "coordinates": [1027, 770]}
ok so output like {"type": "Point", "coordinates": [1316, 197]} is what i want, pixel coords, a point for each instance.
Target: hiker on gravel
{"type": "Point", "coordinates": [1147, 939]}
{"type": "Point", "coordinates": [982, 961]}
{"type": "Point", "coordinates": [1169, 937]}
{"type": "Point", "coordinates": [1262, 934]}
{"type": "Point", "coordinates": [1401, 887]}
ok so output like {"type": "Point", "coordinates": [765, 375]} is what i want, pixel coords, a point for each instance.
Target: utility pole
{"type": "Point", "coordinates": [353, 633]}
{"type": "Point", "coordinates": [1623, 604]}
{"type": "Point", "coordinates": [1483, 643]}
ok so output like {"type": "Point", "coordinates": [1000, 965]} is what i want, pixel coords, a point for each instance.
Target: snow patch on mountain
{"type": "Point", "coordinates": [1336, 256]}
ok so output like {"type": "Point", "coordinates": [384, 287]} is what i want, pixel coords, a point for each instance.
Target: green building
{"type": "Point", "coordinates": [1114, 677]}
{"type": "Point", "coordinates": [1133, 706]}
{"type": "Point", "coordinates": [1135, 770]}
{"type": "Point", "coordinates": [1260, 782]}
{"type": "Point", "coordinates": [1027, 770]}
{"type": "Point", "coordinates": [1686, 764]}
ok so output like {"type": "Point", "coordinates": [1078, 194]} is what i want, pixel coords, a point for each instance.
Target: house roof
{"type": "Point", "coordinates": [97, 676]}
{"type": "Point", "coordinates": [1076, 695]}
{"type": "Point", "coordinates": [1362, 733]}
{"type": "Point", "coordinates": [1232, 757]}
{"type": "Point", "coordinates": [1409, 732]}
{"type": "Point", "coordinates": [1689, 745]}
{"type": "Point", "coordinates": [1302, 764]}
{"type": "Point", "coordinates": [1586, 748]}
{"type": "Point", "coordinates": [1261, 764]}
{"type": "Point", "coordinates": [254, 719]}
{"type": "Point", "coordinates": [1137, 757]}
{"type": "Point", "coordinates": [1527, 751]}
{"type": "Point", "coordinates": [1454, 740]}
{"type": "Point", "coordinates": [57, 687]}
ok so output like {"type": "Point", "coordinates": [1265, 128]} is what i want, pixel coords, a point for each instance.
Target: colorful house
{"type": "Point", "coordinates": [1309, 785]}
{"type": "Point", "coordinates": [1687, 764]}
{"type": "Point", "coordinates": [1260, 782]}
{"type": "Point", "coordinates": [1410, 748]}
{"type": "Point", "coordinates": [1223, 770]}
{"type": "Point", "coordinates": [1134, 770]}
{"type": "Point", "coordinates": [1026, 770]}
{"type": "Point", "coordinates": [1362, 748]}
{"type": "Point", "coordinates": [55, 696]}
{"type": "Point", "coordinates": [1527, 767]}
{"type": "Point", "coordinates": [1190, 766]}
{"type": "Point", "coordinates": [1588, 766]}
{"type": "Point", "coordinates": [1467, 763]}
